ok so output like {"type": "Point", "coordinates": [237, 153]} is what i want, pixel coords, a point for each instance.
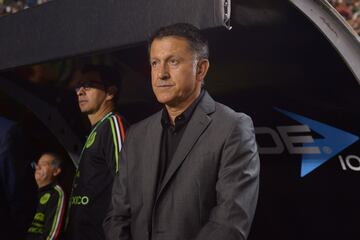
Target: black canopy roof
{"type": "Point", "coordinates": [65, 28]}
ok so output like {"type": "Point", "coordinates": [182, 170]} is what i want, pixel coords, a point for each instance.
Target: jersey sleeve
{"type": "Point", "coordinates": [114, 140]}
{"type": "Point", "coordinates": [54, 214]}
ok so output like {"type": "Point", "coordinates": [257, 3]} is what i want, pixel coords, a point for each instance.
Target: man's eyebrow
{"type": "Point", "coordinates": [173, 56]}
{"type": "Point", "coordinates": [91, 81]}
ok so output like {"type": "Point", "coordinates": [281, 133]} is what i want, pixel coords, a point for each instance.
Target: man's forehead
{"type": "Point", "coordinates": [91, 76]}
{"type": "Point", "coordinates": [169, 44]}
{"type": "Point", "coordinates": [46, 158]}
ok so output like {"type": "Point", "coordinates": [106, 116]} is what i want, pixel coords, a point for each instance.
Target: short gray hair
{"type": "Point", "coordinates": [57, 161]}
{"type": "Point", "coordinates": [196, 41]}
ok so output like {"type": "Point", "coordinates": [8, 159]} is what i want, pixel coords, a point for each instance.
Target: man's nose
{"type": "Point", "coordinates": [80, 91]}
{"type": "Point", "coordinates": [163, 72]}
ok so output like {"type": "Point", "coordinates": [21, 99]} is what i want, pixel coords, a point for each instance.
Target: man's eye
{"type": "Point", "coordinates": [86, 86]}
{"type": "Point", "coordinates": [154, 63]}
{"type": "Point", "coordinates": [173, 62]}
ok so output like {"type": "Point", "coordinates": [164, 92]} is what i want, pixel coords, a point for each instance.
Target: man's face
{"type": "Point", "coordinates": [45, 173]}
{"type": "Point", "coordinates": [91, 96]}
{"type": "Point", "coordinates": [174, 77]}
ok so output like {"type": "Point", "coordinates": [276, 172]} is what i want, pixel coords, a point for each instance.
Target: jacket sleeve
{"type": "Point", "coordinates": [237, 186]}
{"type": "Point", "coordinates": [54, 215]}
{"type": "Point", "coordinates": [114, 140]}
{"type": "Point", "coordinates": [117, 221]}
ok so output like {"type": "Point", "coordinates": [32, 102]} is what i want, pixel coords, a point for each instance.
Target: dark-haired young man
{"type": "Point", "coordinates": [196, 174]}
{"type": "Point", "coordinates": [97, 94]}
{"type": "Point", "coordinates": [49, 216]}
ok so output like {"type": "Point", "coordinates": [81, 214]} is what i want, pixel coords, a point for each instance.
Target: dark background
{"type": "Point", "coordinates": [287, 64]}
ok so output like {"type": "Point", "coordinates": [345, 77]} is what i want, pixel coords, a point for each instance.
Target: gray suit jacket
{"type": "Point", "coordinates": [210, 188]}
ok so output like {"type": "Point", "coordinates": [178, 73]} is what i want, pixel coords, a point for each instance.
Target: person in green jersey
{"type": "Point", "coordinates": [48, 220]}
{"type": "Point", "coordinates": [97, 94]}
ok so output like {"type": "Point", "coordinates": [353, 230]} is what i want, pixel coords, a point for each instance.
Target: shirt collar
{"type": "Point", "coordinates": [184, 117]}
{"type": "Point", "coordinates": [45, 188]}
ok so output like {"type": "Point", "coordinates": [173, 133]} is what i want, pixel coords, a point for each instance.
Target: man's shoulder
{"type": "Point", "coordinates": [58, 193]}
{"type": "Point", "coordinates": [145, 124]}
{"type": "Point", "coordinates": [114, 121]}
{"type": "Point", "coordinates": [147, 121]}
{"type": "Point", "coordinates": [225, 113]}
{"type": "Point", "coordinates": [217, 109]}
{"type": "Point", "coordinates": [51, 193]}
{"type": "Point", "coordinates": [231, 122]}
{"type": "Point", "coordinates": [56, 189]}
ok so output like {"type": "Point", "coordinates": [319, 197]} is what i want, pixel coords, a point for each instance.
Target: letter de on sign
{"type": "Point", "coordinates": [278, 147]}
{"type": "Point", "coordinates": [298, 139]}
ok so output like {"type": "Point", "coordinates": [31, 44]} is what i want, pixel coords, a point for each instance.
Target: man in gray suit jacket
{"type": "Point", "coordinates": [190, 171]}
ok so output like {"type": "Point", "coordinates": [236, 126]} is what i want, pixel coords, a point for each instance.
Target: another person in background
{"type": "Point", "coordinates": [17, 183]}
{"type": "Point", "coordinates": [97, 93]}
{"type": "Point", "coordinates": [48, 219]}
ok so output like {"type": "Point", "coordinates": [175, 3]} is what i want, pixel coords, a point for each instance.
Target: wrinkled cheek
{"type": "Point", "coordinates": [38, 176]}
{"type": "Point", "coordinates": [161, 95]}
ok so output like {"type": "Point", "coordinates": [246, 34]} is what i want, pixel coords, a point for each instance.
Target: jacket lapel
{"type": "Point", "coordinates": [196, 126]}
{"type": "Point", "coordinates": [151, 163]}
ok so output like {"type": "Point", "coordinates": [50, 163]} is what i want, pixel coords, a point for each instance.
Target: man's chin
{"type": "Point", "coordinates": [85, 111]}
{"type": "Point", "coordinates": [38, 180]}
{"type": "Point", "coordinates": [172, 103]}
{"type": "Point", "coordinates": [166, 100]}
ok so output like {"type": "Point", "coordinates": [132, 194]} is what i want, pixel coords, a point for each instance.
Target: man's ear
{"type": "Point", "coordinates": [111, 92]}
{"type": "Point", "coordinates": [57, 172]}
{"type": "Point", "coordinates": [202, 69]}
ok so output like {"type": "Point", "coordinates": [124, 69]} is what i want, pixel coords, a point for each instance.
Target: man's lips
{"type": "Point", "coordinates": [165, 85]}
{"type": "Point", "coordinates": [38, 174]}
{"type": "Point", "coordinates": [82, 101]}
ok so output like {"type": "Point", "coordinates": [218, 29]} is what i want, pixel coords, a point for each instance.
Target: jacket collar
{"type": "Point", "coordinates": [200, 120]}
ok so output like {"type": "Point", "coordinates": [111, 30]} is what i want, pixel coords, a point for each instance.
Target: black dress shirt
{"type": "Point", "coordinates": [172, 134]}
